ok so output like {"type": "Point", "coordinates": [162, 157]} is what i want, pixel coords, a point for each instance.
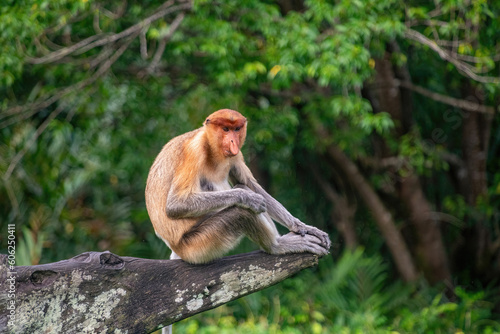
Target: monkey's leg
{"type": "Point", "coordinates": [215, 235]}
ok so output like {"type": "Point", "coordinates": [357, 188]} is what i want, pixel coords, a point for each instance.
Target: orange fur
{"type": "Point", "coordinates": [180, 166]}
{"type": "Point", "coordinates": [187, 173]}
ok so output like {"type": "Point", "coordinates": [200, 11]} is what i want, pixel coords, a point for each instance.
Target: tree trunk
{"type": "Point", "coordinates": [105, 293]}
{"type": "Point", "coordinates": [430, 251]}
{"type": "Point", "coordinates": [386, 95]}
{"type": "Point", "coordinates": [382, 216]}
{"type": "Point", "coordinates": [476, 133]}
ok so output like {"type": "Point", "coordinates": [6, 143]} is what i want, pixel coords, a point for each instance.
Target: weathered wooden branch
{"type": "Point", "coordinates": [105, 293]}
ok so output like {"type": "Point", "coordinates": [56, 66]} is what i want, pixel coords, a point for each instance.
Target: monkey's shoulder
{"type": "Point", "coordinates": [174, 150]}
{"type": "Point", "coordinates": [182, 139]}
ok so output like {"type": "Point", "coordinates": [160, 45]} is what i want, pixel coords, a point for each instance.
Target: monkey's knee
{"type": "Point", "coordinates": [257, 227]}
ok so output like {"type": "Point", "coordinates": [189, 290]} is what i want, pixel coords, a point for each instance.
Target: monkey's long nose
{"type": "Point", "coordinates": [233, 148]}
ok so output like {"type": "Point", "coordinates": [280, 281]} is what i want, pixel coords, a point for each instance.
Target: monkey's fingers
{"type": "Point", "coordinates": [252, 201]}
{"type": "Point", "coordinates": [322, 236]}
{"type": "Point", "coordinates": [315, 245]}
{"type": "Point", "coordinates": [259, 204]}
{"type": "Point", "coordinates": [302, 232]}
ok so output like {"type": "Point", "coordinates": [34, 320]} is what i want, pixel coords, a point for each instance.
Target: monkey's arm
{"type": "Point", "coordinates": [199, 204]}
{"type": "Point", "coordinates": [241, 174]}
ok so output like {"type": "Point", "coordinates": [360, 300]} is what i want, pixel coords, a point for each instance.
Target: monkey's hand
{"type": "Point", "coordinates": [251, 200]}
{"type": "Point", "coordinates": [303, 229]}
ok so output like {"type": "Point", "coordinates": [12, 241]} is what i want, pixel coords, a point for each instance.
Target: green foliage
{"type": "Point", "coordinates": [29, 250]}
{"type": "Point", "coordinates": [21, 22]}
{"type": "Point", "coordinates": [422, 156]}
{"type": "Point", "coordinates": [457, 205]}
{"type": "Point", "coordinates": [354, 295]}
{"type": "Point", "coordinates": [78, 185]}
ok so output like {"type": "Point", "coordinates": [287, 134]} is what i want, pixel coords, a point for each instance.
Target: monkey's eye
{"type": "Point", "coordinates": [237, 129]}
{"type": "Point", "coordinates": [226, 129]}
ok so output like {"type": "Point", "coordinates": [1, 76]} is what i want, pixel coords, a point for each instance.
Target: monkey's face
{"type": "Point", "coordinates": [228, 129]}
{"type": "Point", "coordinates": [232, 140]}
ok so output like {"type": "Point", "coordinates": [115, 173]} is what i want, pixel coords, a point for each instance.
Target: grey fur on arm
{"type": "Point", "coordinates": [202, 203]}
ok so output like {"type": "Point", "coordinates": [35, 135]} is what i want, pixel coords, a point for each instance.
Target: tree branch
{"type": "Point", "coordinates": [446, 55]}
{"type": "Point", "coordinates": [31, 141]}
{"type": "Point", "coordinates": [52, 97]}
{"type": "Point", "coordinates": [105, 293]}
{"type": "Point", "coordinates": [163, 42]}
{"type": "Point", "coordinates": [462, 104]}
{"type": "Point", "coordinates": [103, 39]}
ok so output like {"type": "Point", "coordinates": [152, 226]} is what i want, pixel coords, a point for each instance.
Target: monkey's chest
{"type": "Point", "coordinates": [214, 185]}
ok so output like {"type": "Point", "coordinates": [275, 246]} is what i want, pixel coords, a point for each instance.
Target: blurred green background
{"type": "Point", "coordinates": [374, 120]}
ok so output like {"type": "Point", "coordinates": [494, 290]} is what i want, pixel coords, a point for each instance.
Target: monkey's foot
{"type": "Point", "coordinates": [296, 243]}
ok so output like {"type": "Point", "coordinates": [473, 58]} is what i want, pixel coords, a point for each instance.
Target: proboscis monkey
{"type": "Point", "coordinates": [202, 198]}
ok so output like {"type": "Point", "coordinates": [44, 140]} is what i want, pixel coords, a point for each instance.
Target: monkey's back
{"type": "Point", "coordinates": [160, 179]}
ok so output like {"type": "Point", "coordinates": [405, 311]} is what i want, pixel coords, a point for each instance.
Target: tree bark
{"type": "Point", "coordinates": [105, 293]}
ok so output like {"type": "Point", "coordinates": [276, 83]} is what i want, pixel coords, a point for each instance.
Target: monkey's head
{"type": "Point", "coordinates": [226, 130]}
